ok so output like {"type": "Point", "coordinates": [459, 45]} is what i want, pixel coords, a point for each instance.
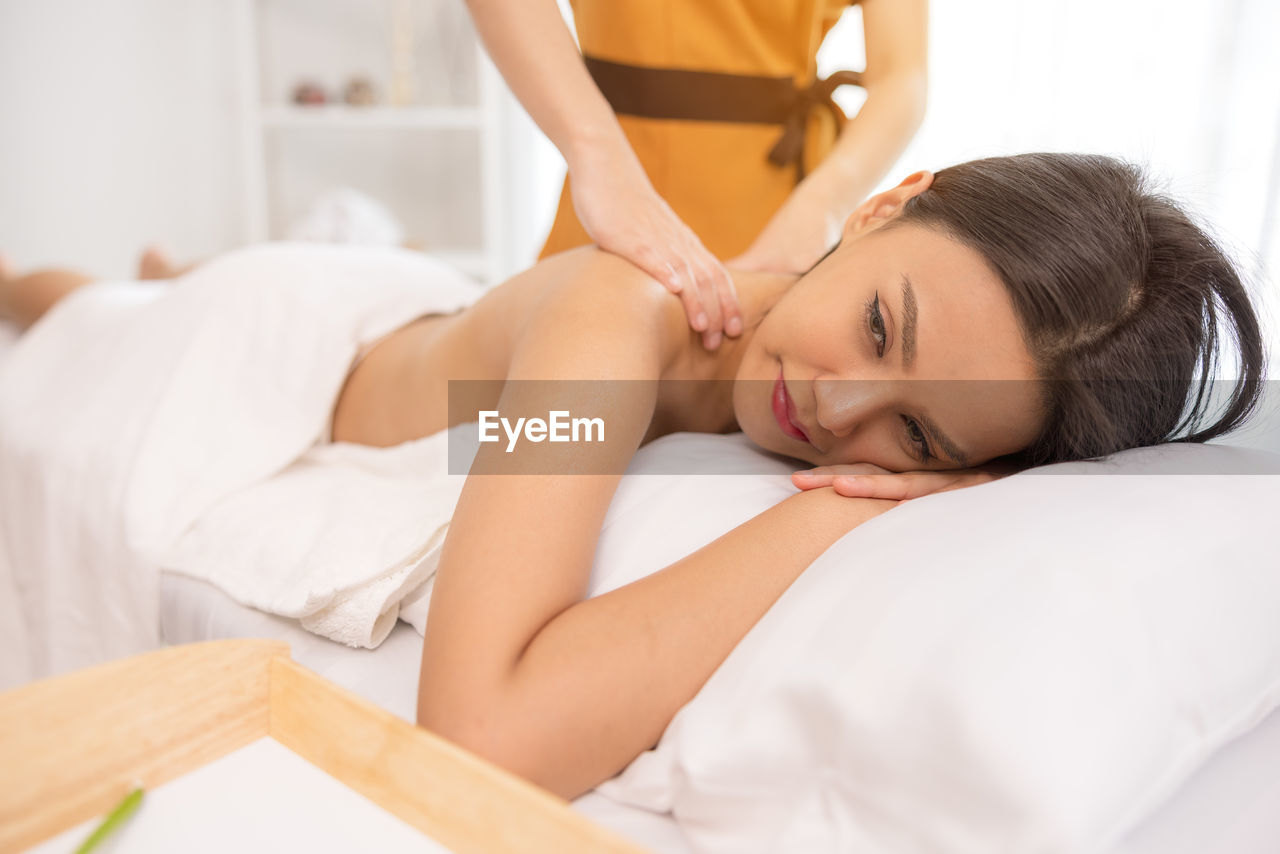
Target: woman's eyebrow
{"type": "Point", "coordinates": [957, 456]}
{"type": "Point", "coordinates": [908, 323]}
{"type": "Point", "coordinates": [909, 313]}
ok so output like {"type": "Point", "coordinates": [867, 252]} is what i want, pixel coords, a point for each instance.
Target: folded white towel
{"type": "Point", "coordinates": [337, 539]}
{"type": "Point", "coordinates": [133, 410]}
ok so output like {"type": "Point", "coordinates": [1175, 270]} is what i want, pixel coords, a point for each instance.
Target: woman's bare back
{"type": "Point", "coordinates": [400, 390]}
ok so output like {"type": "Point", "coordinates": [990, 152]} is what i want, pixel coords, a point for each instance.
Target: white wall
{"type": "Point", "coordinates": [121, 125]}
{"type": "Point", "coordinates": [1190, 90]}
{"type": "Point", "coordinates": [117, 127]}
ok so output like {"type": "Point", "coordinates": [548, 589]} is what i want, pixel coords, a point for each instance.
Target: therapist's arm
{"type": "Point", "coordinates": [612, 195]}
{"type": "Point", "coordinates": [896, 83]}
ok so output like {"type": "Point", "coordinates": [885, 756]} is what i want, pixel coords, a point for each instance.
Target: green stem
{"type": "Point", "coordinates": [117, 817]}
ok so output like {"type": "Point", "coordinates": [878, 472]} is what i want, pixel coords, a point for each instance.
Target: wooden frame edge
{"type": "Point", "coordinates": [167, 713]}
{"type": "Point", "coordinates": [455, 797]}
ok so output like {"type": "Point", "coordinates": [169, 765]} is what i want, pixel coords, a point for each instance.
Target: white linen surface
{"type": "Point", "coordinates": [8, 337]}
{"type": "Point", "coordinates": [357, 529]}
{"type": "Point", "coordinates": [1031, 665]}
{"type": "Point", "coordinates": [1223, 807]}
{"type": "Point", "coordinates": [133, 409]}
{"type": "Point", "coordinates": [1227, 806]}
{"type": "Point", "coordinates": [886, 696]}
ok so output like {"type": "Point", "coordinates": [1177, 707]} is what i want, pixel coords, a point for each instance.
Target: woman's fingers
{"type": "Point", "coordinates": [702, 293]}
{"type": "Point", "coordinates": [802, 480]}
{"type": "Point", "coordinates": [706, 291]}
{"type": "Point", "coordinates": [678, 277]}
{"type": "Point", "coordinates": [703, 283]}
{"type": "Point", "coordinates": [895, 487]}
{"type": "Point", "coordinates": [677, 283]}
{"type": "Point", "coordinates": [864, 480]}
{"type": "Point", "coordinates": [719, 284]}
{"type": "Point", "coordinates": [904, 487]}
{"type": "Point", "coordinates": [660, 265]}
{"type": "Point", "coordinates": [892, 487]}
{"type": "Point", "coordinates": [824, 475]}
{"type": "Point", "coordinates": [710, 303]}
{"type": "Point", "coordinates": [691, 299]}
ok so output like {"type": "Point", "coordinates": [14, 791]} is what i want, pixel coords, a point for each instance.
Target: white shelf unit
{"type": "Point", "coordinates": [454, 150]}
{"type": "Point", "coordinates": [336, 116]}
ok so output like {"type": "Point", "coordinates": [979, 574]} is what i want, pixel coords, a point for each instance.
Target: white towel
{"type": "Point", "coordinates": [337, 539]}
{"type": "Point", "coordinates": [133, 409]}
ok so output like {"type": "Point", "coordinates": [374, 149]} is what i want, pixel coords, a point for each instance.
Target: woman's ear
{"type": "Point", "coordinates": [884, 206]}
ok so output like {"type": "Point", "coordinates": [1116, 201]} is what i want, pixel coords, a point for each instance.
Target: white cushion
{"type": "Point", "coordinates": [1028, 665]}
{"type": "Point", "coordinates": [680, 493]}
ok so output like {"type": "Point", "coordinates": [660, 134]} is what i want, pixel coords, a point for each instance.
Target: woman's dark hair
{"type": "Point", "coordinates": [1118, 293]}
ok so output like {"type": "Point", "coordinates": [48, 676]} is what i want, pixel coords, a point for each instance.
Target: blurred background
{"type": "Point", "coordinates": [124, 122]}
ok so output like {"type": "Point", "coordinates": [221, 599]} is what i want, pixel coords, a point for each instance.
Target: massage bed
{"type": "Point", "coordinates": [696, 791]}
{"type": "Point", "coordinates": [1227, 806]}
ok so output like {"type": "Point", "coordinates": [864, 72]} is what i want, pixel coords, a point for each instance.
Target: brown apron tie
{"type": "Point", "coordinates": [790, 146]}
{"type": "Point", "coordinates": [668, 93]}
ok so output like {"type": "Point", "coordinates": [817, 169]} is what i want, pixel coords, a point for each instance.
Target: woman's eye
{"type": "Point", "coordinates": [875, 322]}
{"type": "Point", "coordinates": [917, 438]}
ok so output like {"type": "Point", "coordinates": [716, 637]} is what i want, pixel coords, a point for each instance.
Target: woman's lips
{"type": "Point", "coordinates": [784, 411]}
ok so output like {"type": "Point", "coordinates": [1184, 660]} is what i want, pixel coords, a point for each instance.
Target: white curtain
{"type": "Point", "coordinates": [1188, 88]}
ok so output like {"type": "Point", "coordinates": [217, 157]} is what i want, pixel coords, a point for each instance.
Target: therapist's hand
{"type": "Point", "coordinates": [868, 481]}
{"type": "Point", "coordinates": [623, 214]}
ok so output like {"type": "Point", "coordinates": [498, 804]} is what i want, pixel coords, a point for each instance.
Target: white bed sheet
{"type": "Point", "coordinates": [8, 334]}
{"type": "Point", "coordinates": [1227, 806]}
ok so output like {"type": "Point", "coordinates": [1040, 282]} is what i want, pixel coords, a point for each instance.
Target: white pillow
{"type": "Point", "coordinates": [1031, 665]}
{"type": "Point", "coordinates": [680, 493]}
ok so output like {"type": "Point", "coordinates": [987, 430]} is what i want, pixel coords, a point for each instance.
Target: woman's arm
{"type": "Point", "coordinates": [516, 665]}
{"type": "Point", "coordinates": [612, 195]}
{"type": "Point", "coordinates": [896, 78]}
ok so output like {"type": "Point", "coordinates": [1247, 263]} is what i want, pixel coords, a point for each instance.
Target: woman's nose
{"type": "Point", "coordinates": [843, 404]}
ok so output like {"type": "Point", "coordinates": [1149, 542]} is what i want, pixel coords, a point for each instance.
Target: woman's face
{"type": "Point", "coordinates": [900, 349]}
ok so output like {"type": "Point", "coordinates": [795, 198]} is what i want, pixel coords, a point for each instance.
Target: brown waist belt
{"type": "Point", "coordinates": [709, 96]}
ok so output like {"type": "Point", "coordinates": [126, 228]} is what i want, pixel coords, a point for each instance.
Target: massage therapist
{"type": "Point", "coordinates": [696, 130]}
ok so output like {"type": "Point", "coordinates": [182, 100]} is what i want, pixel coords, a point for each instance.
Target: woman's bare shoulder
{"type": "Point", "coordinates": [582, 274]}
{"type": "Point", "coordinates": [583, 286]}
{"type": "Point", "coordinates": [590, 272]}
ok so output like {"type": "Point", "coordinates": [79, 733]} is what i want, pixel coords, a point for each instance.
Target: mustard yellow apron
{"type": "Point", "coordinates": [720, 101]}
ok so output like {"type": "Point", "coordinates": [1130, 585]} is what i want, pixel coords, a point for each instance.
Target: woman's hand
{"type": "Point", "coordinates": [867, 481]}
{"type": "Point", "coordinates": [623, 214]}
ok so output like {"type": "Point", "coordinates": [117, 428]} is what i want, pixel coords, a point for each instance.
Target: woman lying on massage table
{"type": "Point", "coordinates": [1080, 311]}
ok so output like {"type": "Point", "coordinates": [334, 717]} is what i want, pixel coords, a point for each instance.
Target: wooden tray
{"type": "Point", "coordinates": [72, 746]}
